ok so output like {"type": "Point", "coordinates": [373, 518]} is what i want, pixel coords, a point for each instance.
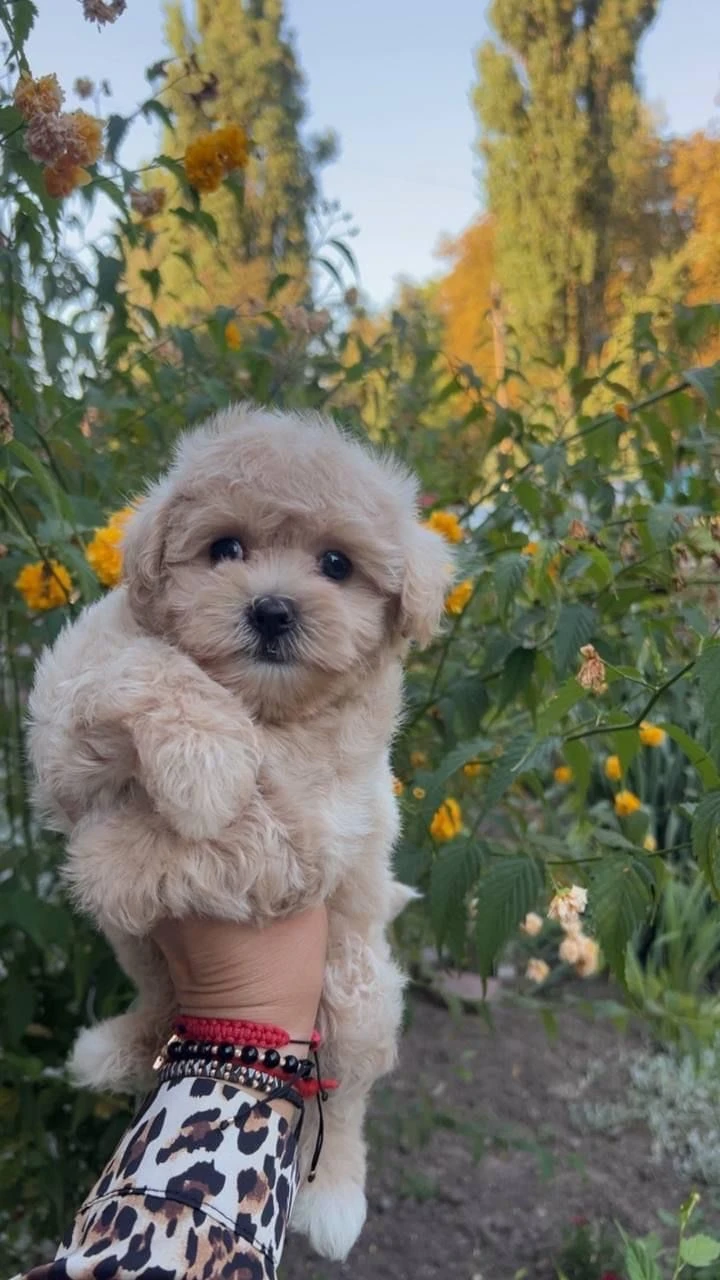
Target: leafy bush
{"type": "Point", "coordinates": [582, 627]}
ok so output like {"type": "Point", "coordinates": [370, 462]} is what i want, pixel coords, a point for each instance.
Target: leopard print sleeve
{"type": "Point", "coordinates": [201, 1186]}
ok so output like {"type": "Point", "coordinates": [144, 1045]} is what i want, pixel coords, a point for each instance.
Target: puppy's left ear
{"type": "Point", "coordinates": [427, 579]}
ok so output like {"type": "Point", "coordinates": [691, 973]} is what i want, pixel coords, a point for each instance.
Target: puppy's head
{"type": "Point", "coordinates": [285, 558]}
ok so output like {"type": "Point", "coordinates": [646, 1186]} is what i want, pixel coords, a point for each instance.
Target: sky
{"type": "Point", "coordinates": [393, 79]}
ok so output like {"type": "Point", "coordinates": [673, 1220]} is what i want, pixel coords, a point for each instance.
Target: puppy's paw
{"type": "Point", "coordinates": [200, 779]}
{"type": "Point", "coordinates": [331, 1215]}
{"type": "Point", "coordinates": [116, 1055]}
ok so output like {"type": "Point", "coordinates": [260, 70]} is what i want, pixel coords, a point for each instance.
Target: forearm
{"type": "Point", "coordinates": [201, 1184]}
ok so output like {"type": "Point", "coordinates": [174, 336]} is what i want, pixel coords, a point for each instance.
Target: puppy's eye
{"type": "Point", "coordinates": [226, 549]}
{"type": "Point", "coordinates": [335, 565]}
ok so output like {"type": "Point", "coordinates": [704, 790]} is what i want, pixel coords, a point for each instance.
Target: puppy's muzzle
{"type": "Point", "coordinates": [274, 620]}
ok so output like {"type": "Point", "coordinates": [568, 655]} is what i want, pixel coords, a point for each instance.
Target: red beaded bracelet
{"type": "Point", "coordinates": [238, 1031]}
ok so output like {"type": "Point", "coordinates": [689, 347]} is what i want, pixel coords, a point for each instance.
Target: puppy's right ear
{"type": "Point", "coordinates": [144, 544]}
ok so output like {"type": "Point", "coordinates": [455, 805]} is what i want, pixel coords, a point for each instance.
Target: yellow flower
{"type": "Point", "coordinates": [397, 787]}
{"type": "Point", "coordinates": [418, 759]}
{"type": "Point", "coordinates": [473, 769]}
{"type": "Point", "coordinates": [531, 548]}
{"type": "Point", "coordinates": [563, 774]}
{"type": "Point", "coordinates": [626, 802]}
{"type": "Point", "coordinates": [119, 519]}
{"type": "Point", "coordinates": [85, 138]}
{"type": "Point", "coordinates": [62, 179]}
{"type": "Point", "coordinates": [650, 843]}
{"type": "Point", "coordinates": [447, 821]}
{"type": "Point", "coordinates": [537, 970]}
{"type": "Point", "coordinates": [459, 596]}
{"type": "Point", "coordinates": [613, 768]}
{"type": "Point", "coordinates": [651, 735]}
{"type": "Point", "coordinates": [104, 555]}
{"type": "Point", "coordinates": [532, 924]}
{"type": "Point", "coordinates": [231, 146]}
{"type": "Point", "coordinates": [203, 166]}
{"type": "Point", "coordinates": [419, 793]}
{"type": "Point", "coordinates": [232, 336]}
{"type": "Point", "coordinates": [45, 584]}
{"type": "Point", "coordinates": [446, 523]}
{"type": "Point", "coordinates": [36, 97]}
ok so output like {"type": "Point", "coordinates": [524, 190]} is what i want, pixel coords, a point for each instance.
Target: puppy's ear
{"type": "Point", "coordinates": [426, 580]}
{"type": "Point", "coordinates": [144, 555]}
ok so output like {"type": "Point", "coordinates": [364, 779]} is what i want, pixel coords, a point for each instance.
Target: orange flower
{"type": "Point", "coordinates": [62, 179]}
{"type": "Point", "coordinates": [84, 145]}
{"type": "Point", "coordinates": [651, 735]}
{"type": "Point", "coordinates": [231, 146]}
{"type": "Point", "coordinates": [447, 820]}
{"type": "Point", "coordinates": [203, 166]}
{"type": "Point", "coordinates": [458, 598]}
{"type": "Point", "coordinates": [530, 549]}
{"type": "Point", "coordinates": [446, 523]}
{"type": "Point", "coordinates": [35, 97]}
{"type": "Point", "coordinates": [627, 803]}
{"type": "Point", "coordinates": [563, 774]}
{"type": "Point", "coordinates": [44, 585]}
{"type": "Point", "coordinates": [232, 336]}
{"type": "Point", "coordinates": [613, 768]}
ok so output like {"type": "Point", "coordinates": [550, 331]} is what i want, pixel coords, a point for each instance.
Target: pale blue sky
{"type": "Point", "coordinates": [392, 77]}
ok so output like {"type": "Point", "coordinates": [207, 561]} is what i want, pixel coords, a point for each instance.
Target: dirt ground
{"type": "Point", "coordinates": [476, 1168]}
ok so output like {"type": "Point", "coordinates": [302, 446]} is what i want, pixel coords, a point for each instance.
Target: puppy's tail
{"type": "Point", "coordinates": [117, 1054]}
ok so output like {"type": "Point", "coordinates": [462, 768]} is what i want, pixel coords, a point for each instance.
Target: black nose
{"type": "Point", "coordinates": [272, 616]}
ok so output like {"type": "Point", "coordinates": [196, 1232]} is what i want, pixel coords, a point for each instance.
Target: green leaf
{"type": "Point", "coordinates": [197, 218]}
{"type": "Point", "coordinates": [696, 754]}
{"type": "Point", "coordinates": [45, 481]}
{"type": "Point", "coordinates": [662, 525]}
{"type": "Point", "coordinates": [707, 383]}
{"type": "Point", "coordinates": [699, 1250]}
{"type": "Point", "coordinates": [622, 896]}
{"type": "Point", "coordinates": [517, 674]}
{"type": "Point", "coordinates": [452, 876]}
{"type": "Point", "coordinates": [157, 110]}
{"type": "Point", "coordinates": [530, 498]}
{"type": "Point", "coordinates": [705, 830]}
{"type": "Point", "coordinates": [510, 570]}
{"type": "Point", "coordinates": [153, 280]}
{"type": "Point", "coordinates": [578, 757]}
{"type": "Point", "coordinates": [115, 130]}
{"type": "Point", "coordinates": [277, 283]}
{"type": "Point", "coordinates": [558, 707]}
{"type": "Point", "coordinates": [576, 625]}
{"type": "Point", "coordinates": [453, 761]}
{"type": "Point", "coordinates": [707, 670]}
{"type": "Point", "coordinates": [505, 895]}
{"type": "Point", "coordinates": [42, 921]}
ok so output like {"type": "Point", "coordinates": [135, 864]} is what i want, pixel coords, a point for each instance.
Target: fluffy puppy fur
{"type": "Point", "coordinates": [200, 765]}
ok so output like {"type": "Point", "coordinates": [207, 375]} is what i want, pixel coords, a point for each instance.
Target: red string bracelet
{"type": "Point", "coordinates": [238, 1031]}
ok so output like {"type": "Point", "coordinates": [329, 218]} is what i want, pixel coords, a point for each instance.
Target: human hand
{"type": "Point", "coordinates": [269, 973]}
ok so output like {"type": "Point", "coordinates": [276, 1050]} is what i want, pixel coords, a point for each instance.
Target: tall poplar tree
{"type": "Point", "coordinates": [572, 167]}
{"type": "Point", "coordinates": [235, 62]}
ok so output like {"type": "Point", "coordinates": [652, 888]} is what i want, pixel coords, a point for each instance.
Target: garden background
{"type": "Point", "coordinates": [556, 387]}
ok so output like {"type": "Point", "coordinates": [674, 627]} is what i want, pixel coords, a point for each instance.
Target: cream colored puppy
{"type": "Point", "coordinates": [213, 738]}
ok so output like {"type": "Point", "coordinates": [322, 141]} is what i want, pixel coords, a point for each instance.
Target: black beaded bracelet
{"type": "Point", "coordinates": [179, 1050]}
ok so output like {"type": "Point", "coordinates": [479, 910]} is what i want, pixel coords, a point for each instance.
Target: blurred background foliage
{"type": "Point", "coordinates": [557, 392]}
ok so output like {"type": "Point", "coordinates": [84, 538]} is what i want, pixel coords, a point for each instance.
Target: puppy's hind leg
{"type": "Point", "coordinates": [117, 1054]}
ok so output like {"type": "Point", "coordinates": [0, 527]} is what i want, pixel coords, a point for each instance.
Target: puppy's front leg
{"type": "Point", "coordinates": [360, 1015]}
{"type": "Point", "coordinates": [196, 749]}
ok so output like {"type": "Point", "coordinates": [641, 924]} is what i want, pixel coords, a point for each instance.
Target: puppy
{"type": "Point", "coordinates": [213, 737]}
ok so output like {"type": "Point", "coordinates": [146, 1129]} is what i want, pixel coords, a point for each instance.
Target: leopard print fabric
{"type": "Point", "coordinates": [201, 1186]}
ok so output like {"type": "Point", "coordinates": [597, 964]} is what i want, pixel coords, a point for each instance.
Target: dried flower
{"type": "Point", "coordinates": [397, 787]}
{"type": "Point", "coordinates": [447, 524]}
{"type": "Point", "coordinates": [570, 948]}
{"type": "Point", "coordinates": [613, 768]}
{"type": "Point", "coordinates": [530, 549]}
{"type": "Point", "coordinates": [458, 598]}
{"type": "Point", "coordinates": [627, 803]}
{"type": "Point", "coordinates": [351, 297]}
{"type": "Point", "coordinates": [532, 924]}
{"type": "Point", "coordinates": [567, 906]}
{"type": "Point", "coordinates": [45, 584]}
{"type": "Point", "coordinates": [578, 530]}
{"type": "Point", "coordinates": [537, 970]}
{"type": "Point", "coordinates": [588, 961]}
{"type": "Point", "coordinates": [84, 87]}
{"type": "Point", "coordinates": [147, 203]}
{"type": "Point", "coordinates": [621, 411]}
{"type": "Point", "coordinates": [419, 793]}
{"type": "Point", "coordinates": [46, 137]}
{"type": "Point", "coordinates": [102, 12]}
{"type": "Point", "coordinates": [715, 528]}
{"type": "Point", "coordinates": [318, 321]}
{"type": "Point", "coordinates": [447, 820]}
{"type": "Point", "coordinates": [563, 774]}
{"type": "Point", "coordinates": [6, 426]}
{"type": "Point", "coordinates": [232, 336]}
{"type": "Point", "coordinates": [592, 672]}
{"type": "Point", "coordinates": [418, 759]}
{"type": "Point", "coordinates": [36, 97]}
{"type": "Point", "coordinates": [651, 735]}
{"type": "Point", "coordinates": [650, 843]}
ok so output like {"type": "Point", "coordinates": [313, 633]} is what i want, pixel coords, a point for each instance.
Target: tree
{"type": "Point", "coordinates": [464, 297]}
{"type": "Point", "coordinates": [571, 164]}
{"type": "Point", "coordinates": [237, 63]}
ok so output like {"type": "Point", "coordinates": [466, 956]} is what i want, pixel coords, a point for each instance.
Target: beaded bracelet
{"type": "Point", "coordinates": [177, 1049]}
{"type": "Point", "coordinates": [239, 1075]}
